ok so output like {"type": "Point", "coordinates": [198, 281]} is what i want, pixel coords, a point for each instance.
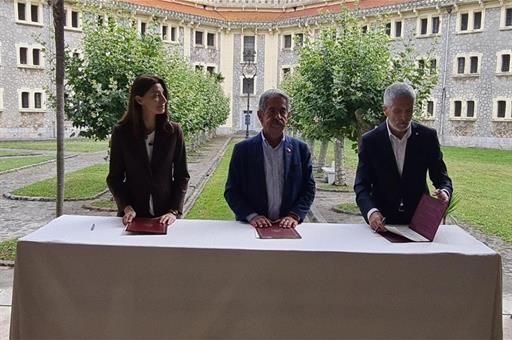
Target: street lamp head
{"type": "Point", "coordinates": [249, 70]}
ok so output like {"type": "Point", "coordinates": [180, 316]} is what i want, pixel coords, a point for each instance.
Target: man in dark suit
{"type": "Point", "coordinates": [270, 175]}
{"type": "Point", "coordinates": [393, 162]}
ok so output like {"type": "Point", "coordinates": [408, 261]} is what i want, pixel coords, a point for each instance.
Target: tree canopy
{"type": "Point", "coordinates": [98, 79]}
{"type": "Point", "coordinates": [336, 90]}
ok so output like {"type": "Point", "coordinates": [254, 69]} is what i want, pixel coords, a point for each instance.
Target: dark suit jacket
{"type": "Point", "coordinates": [132, 178]}
{"type": "Point", "coordinates": [246, 190]}
{"type": "Point", "coordinates": [378, 183]}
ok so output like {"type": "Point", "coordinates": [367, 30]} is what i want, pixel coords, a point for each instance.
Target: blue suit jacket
{"type": "Point", "coordinates": [246, 190]}
{"type": "Point", "coordinates": [378, 183]}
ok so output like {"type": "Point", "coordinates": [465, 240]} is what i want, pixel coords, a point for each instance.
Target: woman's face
{"type": "Point", "coordinates": [153, 102]}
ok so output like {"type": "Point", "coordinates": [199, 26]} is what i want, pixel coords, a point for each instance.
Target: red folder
{"type": "Point", "coordinates": [144, 225]}
{"type": "Point", "coordinates": [425, 222]}
{"type": "Point", "coordinates": [276, 232]}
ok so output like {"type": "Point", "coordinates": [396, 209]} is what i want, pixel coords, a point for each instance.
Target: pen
{"type": "Point", "coordinates": [383, 224]}
{"type": "Point", "coordinates": [92, 227]}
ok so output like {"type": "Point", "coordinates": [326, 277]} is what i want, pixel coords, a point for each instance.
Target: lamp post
{"type": "Point", "coordinates": [248, 72]}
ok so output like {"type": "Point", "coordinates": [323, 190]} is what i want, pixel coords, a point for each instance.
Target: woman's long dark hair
{"type": "Point", "coordinates": [133, 115]}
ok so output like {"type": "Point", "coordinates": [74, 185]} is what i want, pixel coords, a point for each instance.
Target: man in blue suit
{"type": "Point", "coordinates": [393, 162]}
{"type": "Point", "coordinates": [270, 175]}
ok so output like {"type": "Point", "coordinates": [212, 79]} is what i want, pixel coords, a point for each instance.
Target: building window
{"type": "Point", "coordinates": [31, 100]}
{"type": "Point", "coordinates": [461, 62]}
{"type": "Point", "coordinates": [38, 100]}
{"type": "Point", "coordinates": [199, 38]}
{"type": "Point", "coordinates": [35, 57]}
{"type": "Point", "coordinates": [248, 86]}
{"type": "Point", "coordinates": [463, 109]}
{"type": "Point", "coordinates": [467, 64]}
{"type": "Point", "coordinates": [169, 33]}
{"type": "Point", "coordinates": [464, 19]}
{"type": "Point", "coordinates": [142, 28]}
{"type": "Point", "coordinates": [287, 41]}
{"type": "Point", "coordinates": [506, 18]}
{"type": "Point", "coordinates": [164, 32]}
{"type": "Point", "coordinates": [433, 65]}
{"type": "Point", "coordinates": [199, 68]}
{"type": "Point", "coordinates": [23, 56]}
{"type": "Point", "coordinates": [502, 108]}
{"type": "Point", "coordinates": [71, 19]}
{"type": "Point", "coordinates": [473, 65]}
{"type": "Point", "coordinates": [25, 100]}
{"type": "Point", "coordinates": [458, 108]}
{"type": "Point", "coordinates": [249, 48]}
{"type": "Point", "coordinates": [470, 108]}
{"type": "Point", "coordinates": [394, 29]}
{"type": "Point", "coordinates": [299, 40]}
{"type": "Point", "coordinates": [21, 11]}
{"type": "Point", "coordinates": [364, 29]}
{"type": "Point", "coordinates": [29, 13]}
{"type": "Point", "coordinates": [477, 20]}
{"type": "Point", "coordinates": [435, 25]}
{"type": "Point", "coordinates": [424, 26]}
{"type": "Point", "coordinates": [430, 108]}
{"type": "Point", "coordinates": [427, 62]}
{"type": "Point", "coordinates": [210, 40]}
{"type": "Point", "coordinates": [470, 21]}
{"type": "Point", "coordinates": [210, 69]}
{"type": "Point", "coordinates": [30, 56]}
{"type": "Point", "coordinates": [503, 62]}
{"type": "Point", "coordinates": [174, 35]}
{"type": "Point", "coordinates": [427, 26]}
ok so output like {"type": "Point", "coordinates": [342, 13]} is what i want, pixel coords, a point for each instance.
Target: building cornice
{"type": "Point", "coordinates": [216, 18]}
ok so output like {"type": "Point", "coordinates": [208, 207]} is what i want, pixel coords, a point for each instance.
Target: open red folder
{"type": "Point", "coordinates": [276, 232]}
{"type": "Point", "coordinates": [143, 225]}
{"type": "Point", "coordinates": [424, 224]}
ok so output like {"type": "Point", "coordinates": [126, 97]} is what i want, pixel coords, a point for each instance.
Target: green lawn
{"type": "Point", "coordinates": [211, 204]}
{"type": "Point", "coordinates": [8, 250]}
{"type": "Point", "coordinates": [483, 179]}
{"type": "Point", "coordinates": [18, 162]}
{"type": "Point", "coordinates": [81, 184]}
{"type": "Point", "coordinates": [73, 145]}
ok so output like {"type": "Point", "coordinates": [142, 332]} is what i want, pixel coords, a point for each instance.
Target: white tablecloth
{"type": "Point", "coordinates": [215, 279]}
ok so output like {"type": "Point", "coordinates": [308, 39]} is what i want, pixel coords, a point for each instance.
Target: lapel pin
{"type": "Point", "coordinates": [288, 150]}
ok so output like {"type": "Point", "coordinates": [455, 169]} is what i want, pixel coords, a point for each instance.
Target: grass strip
{"type": "Point", "coordinates": [18, 162]}
{"type": "Point", "coordinates": [70, 145]}
{"type": "Point", "coordinates": [211, 204]}
{"type": "Point", "coordinates": [8, 250]}
{"type": "Point", "coordinates": [80, 184]}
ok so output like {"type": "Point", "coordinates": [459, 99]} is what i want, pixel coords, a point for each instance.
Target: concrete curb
{"type": "Point", "coordinates": [33, 165]}
{"type": "Point", "coordinates": [47, 199]}
{"type": "Point", "coordinates": [192, 198]}
{"type": "Point", "coordinates": [315, 216]}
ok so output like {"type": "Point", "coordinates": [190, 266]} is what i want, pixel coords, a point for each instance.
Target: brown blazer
{"type": "Point", "coordinates": [131, 178]}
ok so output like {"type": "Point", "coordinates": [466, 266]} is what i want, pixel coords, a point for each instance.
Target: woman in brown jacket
{"type": "Point", "coordinates": [148, 174]}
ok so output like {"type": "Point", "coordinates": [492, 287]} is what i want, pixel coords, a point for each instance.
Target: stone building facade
{"type": "Point", "coordinates": [470, 40]}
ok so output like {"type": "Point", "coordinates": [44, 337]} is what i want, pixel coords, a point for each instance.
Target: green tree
{"type": "Point", "coordinates": [98, 81]}
{"type": "Point", "coordinates": [341, 75]}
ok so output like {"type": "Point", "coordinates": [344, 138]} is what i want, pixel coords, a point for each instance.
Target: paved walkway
{"type": "Point", "coordinates": [19, 218]}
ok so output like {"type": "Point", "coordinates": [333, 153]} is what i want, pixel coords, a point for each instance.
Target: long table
{"type": "Point", "coordinates": [215, 279]}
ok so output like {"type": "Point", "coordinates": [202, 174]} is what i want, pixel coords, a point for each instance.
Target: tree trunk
{"type": "Point", "coordinates": [58, 22]}
{"type": "Point", "coordinates": [323, 155]}
{"type": "Point", "coordinates": [339, 171]}
{"type": "Point", "coordinates": [311, 144]}
{"type": "Point", "coordinates": [363, 126]}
